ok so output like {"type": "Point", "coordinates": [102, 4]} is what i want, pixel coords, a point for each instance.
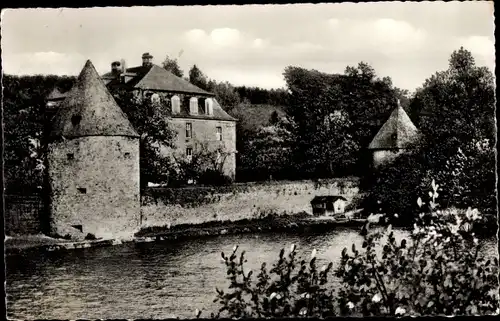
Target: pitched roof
{"type": "Point", "coordinates": [328, 198]}
{"type": "Point", "coordinates": [155, 77]}
{"type": "Point", "coordinates": [397, 132]}
{"type": "Point", "coordinates": [90, 110]}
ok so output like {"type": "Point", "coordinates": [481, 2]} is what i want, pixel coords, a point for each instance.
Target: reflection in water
{"type": "Point", "coordinates": [149, 280]}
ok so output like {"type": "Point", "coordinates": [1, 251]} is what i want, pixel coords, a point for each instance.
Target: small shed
{"type": "Point", "coordinates": [328, 205]}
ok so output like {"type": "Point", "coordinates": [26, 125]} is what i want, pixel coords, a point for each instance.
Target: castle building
{"type": "Point", "coordinates": [93, 162]}
{"type": "Point", "coordinates": [394, 137]}
{"type": "Point", "coordinates": [195, 114]}
{"type": "Point", "coordinates": [199, 120]}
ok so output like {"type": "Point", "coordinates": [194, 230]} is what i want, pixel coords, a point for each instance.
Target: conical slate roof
{"type": "Point", "coordinates": [90, 110]}
{"type": "Point", "coordinates": [397, 132]}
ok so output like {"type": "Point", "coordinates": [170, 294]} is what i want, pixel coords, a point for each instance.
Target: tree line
{"type": "Point", "coordinates": [327, 121]}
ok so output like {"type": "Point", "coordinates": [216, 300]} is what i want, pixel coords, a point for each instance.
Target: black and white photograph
{"type": "Point", "coordinates": [250, 161]}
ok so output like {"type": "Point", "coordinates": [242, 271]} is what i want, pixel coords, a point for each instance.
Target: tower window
{"type": "Point", "coordinates": [82, 190]}
{"type": "Point", "coordinates": [78, 227]}
{"type": "Point", "coordinates": [127, 155]}
{"type": "Point", "coordinates": [189, 130]}
{"type": "Point", "coordinates": [75, 120]}
{"type": "Point", "coordinates": [70, 156]}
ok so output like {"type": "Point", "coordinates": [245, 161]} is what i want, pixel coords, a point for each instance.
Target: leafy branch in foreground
{"type": "Point", "coordinates": [440, 270]}
{"type": "Point", "coordinates": [291, 288]}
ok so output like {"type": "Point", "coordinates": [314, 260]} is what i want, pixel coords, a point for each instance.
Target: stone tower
{"type": "Point", "coordinates": [395, 136]}
{"type": "Point", "coordinates": [93, 163]}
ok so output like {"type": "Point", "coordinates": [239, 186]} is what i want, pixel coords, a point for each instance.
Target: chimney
{"type": "Point", "coordinates": [124, 66]}
{"type": "Point", "coordinates": [115, 68]}
{"type": "Point", "coordinates": [147, 59]}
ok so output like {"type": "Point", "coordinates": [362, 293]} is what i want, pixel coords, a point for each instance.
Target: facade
{"type": "Point", "coordinates": [93, 163]}
{"type": "Point", "coordinates": [393, 138]}
{"type": "Point", "coordinates": [328, 205]}
{"type": "Point", "coordinates": [200, 121]}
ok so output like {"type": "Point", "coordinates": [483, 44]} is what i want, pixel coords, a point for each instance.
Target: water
{"type": "Point", "coordinates": [148, 280]}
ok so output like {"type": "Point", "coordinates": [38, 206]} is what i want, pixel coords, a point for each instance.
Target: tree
{"type": "Point", "coordinates": [25, 129]}
{"type": "Point", "coordinates": [197, 78]}
{"type": "Point", "coordinates": [267, 153]}
{"type": "Point", "coordinates": [150, 119]}
{"type": "Point", "coordinates": [457, 104]}
{"type": "Point", "coordinates": [172, 65]}
{"type": "Point", "coordinates": [274, 118]}
{"type": "Point", "coordinates": [456, 117]}
{"type": "Point", "coordinates": [225, 94]}
{"type": "Point", "coordinates": [363, 101]}
{"type": "Point", "coordinates": [204, 166]}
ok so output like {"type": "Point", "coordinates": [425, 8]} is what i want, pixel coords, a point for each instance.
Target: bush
{"type": "Point", "coordinates": [467, 174]}
{"type": "Point", "coordinates": [214, 177]}
{"type": "Point", "coordinates": [440, 270]}
{"type": "Point", "coordinates": [289, 289]}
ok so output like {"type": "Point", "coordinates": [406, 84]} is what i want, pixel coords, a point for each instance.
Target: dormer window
{"type": "Point", "coordinates": [209, 108]}
{"type": "Point", "coordinates": [193, 106]}
{"type": "Point", "coordinates": [176, 104]}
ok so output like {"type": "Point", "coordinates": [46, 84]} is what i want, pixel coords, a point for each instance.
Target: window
{"type": "Point", "coordinates": [219, 133]}
{"type": "Point", "coordinates": [193, 106]}
{"type": "Point", "coordinates": [127, 155]}
{"type": "Point", "coordinates": [78, 227]}
{"type": "Point", "coordinates": [189, 130]}
{"type": "Point", "coordinates": [209, 106]}
{"type": "Point", "coordinates": [75, 120]}
{"type": "Point", "coordinates": [70, 156]}
{"type": "Point", "coordinates": [176, 104]}
{"type": "Point", "coordinates": [82, 190]}
{"type": "Point", "coordinates": [189, 153]}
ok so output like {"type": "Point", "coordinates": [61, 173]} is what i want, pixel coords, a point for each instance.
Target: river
{"type": "Point", "coordinates": [148, 280]}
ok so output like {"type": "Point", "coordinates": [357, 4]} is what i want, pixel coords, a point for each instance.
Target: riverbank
{"type": "Point", "coordinates": [300, 222]}
{"type": "Point", "coordinates": [27, 243]}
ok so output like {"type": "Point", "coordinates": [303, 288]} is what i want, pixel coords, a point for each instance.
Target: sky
{"type": "Point", "coordinates": [251, 45]}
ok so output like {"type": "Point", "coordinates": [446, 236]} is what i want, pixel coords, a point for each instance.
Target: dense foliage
{"type": "Point", "coordinates": [290, 288]}
{"type": "Point", "coordinates": [172, 65]}
{"type": "Point", "coordinates": [441, 269]}
{"type": "Point", "coordinates": [151, 122]}
{"type": "Point", "coordinates": [205, 166]}
{"type": "Point", "coordinates": [338, 113]}
{"type": "Point", "coordinates": [24, 127]}
{"type": "Point", "coordinates": [456, 109]}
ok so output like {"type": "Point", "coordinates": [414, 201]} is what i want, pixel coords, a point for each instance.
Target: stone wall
{"type": "Point", "coordinates": [95, 183]}
{"type": "Point", "coordinates": [23, 214]}
{"type": "Point", "coordinates": [195, 205]}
